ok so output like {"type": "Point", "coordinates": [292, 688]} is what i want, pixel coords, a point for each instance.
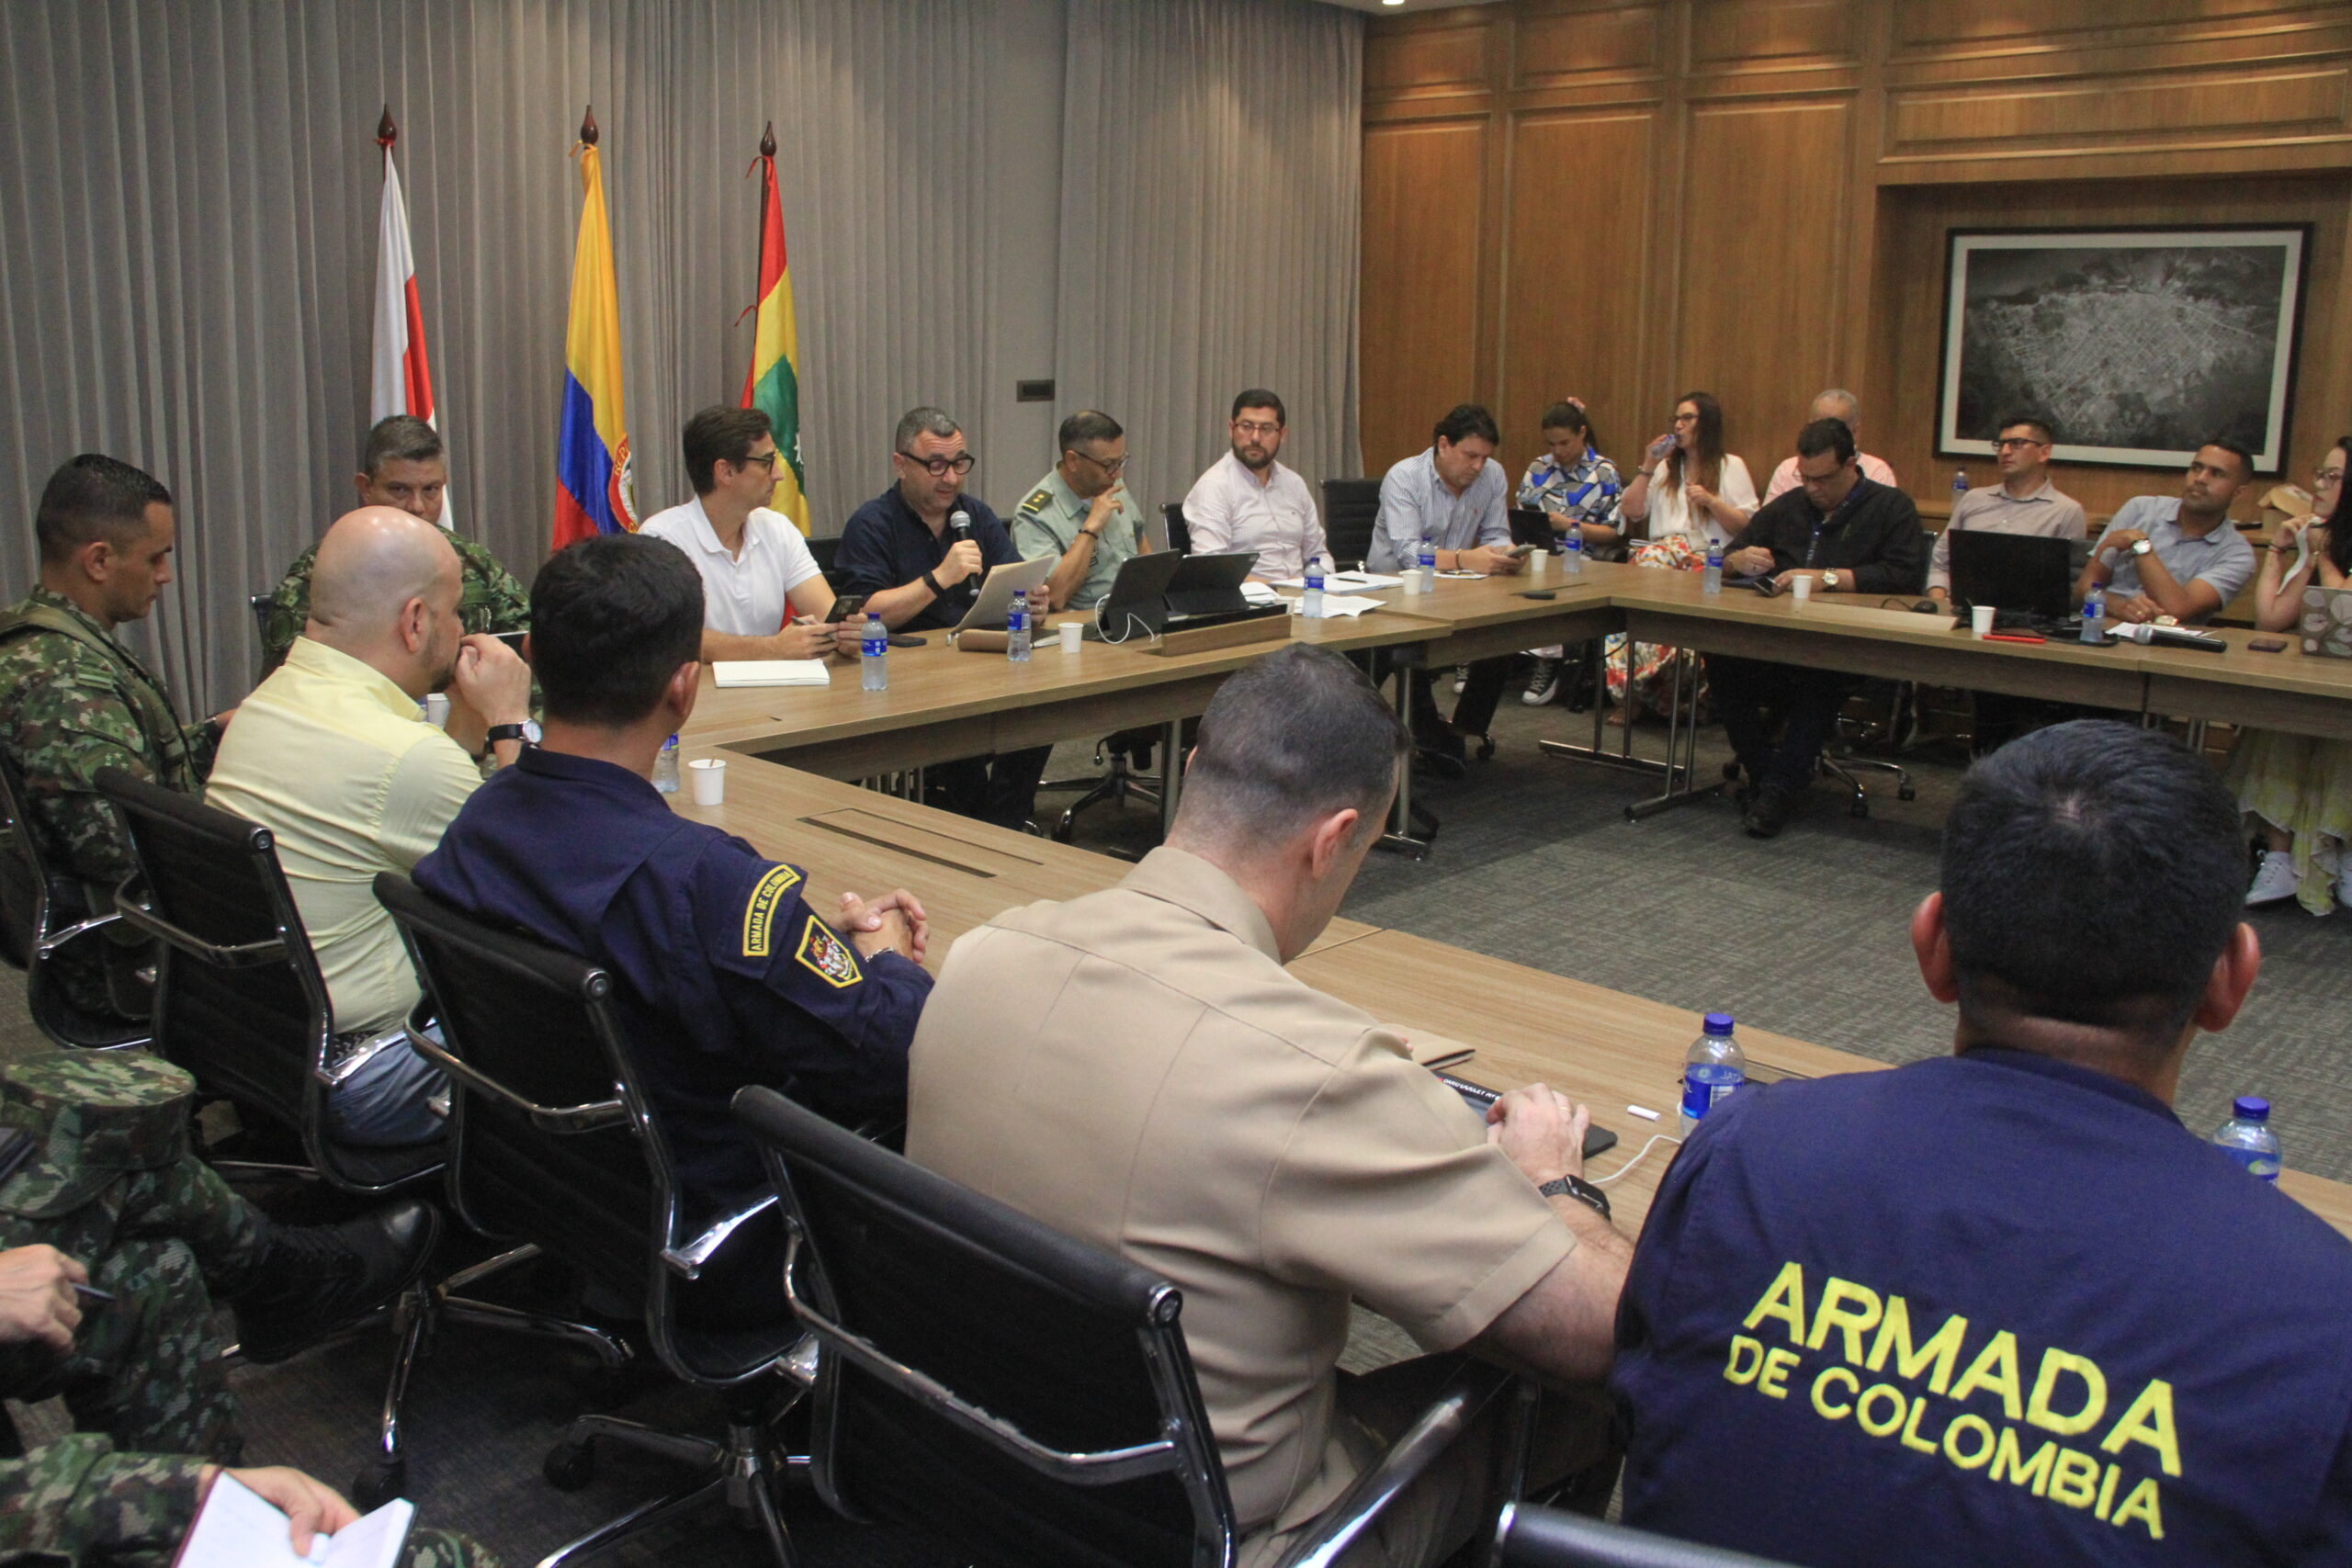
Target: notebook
{"type": "Point", "coordinates": [732, 672]}
{"type": "Point", "coordinates": [237, 1528]}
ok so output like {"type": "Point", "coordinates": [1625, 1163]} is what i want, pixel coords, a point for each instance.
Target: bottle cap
{"type": "Point", "coordinates": [2252, 1107]}
{"type": "Point", "coordinates": [1719, 1023]}
{"type": "Point", "coordinates": [667, 744]}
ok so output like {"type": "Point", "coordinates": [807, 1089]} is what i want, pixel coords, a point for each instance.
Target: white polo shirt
{"type": "Point", "coordinates": [741, 594]}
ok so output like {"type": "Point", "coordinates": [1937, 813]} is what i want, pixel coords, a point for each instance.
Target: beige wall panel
{"type": "Point", "coordinates": [1763, 258]}
{"type": "Point", "coordinates": [1576, 288]}
{"type": "Point", "coordinates": [1554, 44]}
{"type": "Point", "coordinates": [1419, 336]}
{"type": "Point", "coordinates": [1740, 32]}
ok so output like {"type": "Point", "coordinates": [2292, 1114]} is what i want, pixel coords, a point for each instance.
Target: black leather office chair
{"type": "Point", "coordinates": [1548, 1538]}
{"type": "Point", "coordinates": [240, 1003]}
{"type": "Point", "coordinates": [1179, 533]}
{"type": "Point", "coordinates": [553, 1142]}
{"type": "Point", "coordinates": [40, 917]}
{"type": "Point", "coordinates": [1350, 509]}
{"type": "Point", "coordinates": [824, 551]}
{"type": "Point", "coordinates": [1026, 1396]}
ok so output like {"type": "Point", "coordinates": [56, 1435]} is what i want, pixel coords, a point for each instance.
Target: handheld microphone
{"type": "Point", "coordinates": [959, 524]}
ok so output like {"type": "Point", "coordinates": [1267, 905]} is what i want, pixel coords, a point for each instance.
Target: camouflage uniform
{"type": "Point", "coordinates": [73, 700]}
{"type": "Point", "coordinates": [77, 1503]}
{"type": "Point", "coordinates": [489, 600]}
{"type": "Point", "coordinates": [115, 1187]}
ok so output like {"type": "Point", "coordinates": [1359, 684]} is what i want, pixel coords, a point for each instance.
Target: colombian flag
{"type": "Point", "coordinates": [773, 383]}
{"type": "Point", "coordinates": [595, 493]}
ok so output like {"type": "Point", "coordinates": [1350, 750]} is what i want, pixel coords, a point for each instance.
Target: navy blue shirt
{"type": "Point", "coordinates": [1992, 1308]}
{"type": "Point", "coordinates": [727, 976]}
{"type": "Point", "coordinates": [884, 545]}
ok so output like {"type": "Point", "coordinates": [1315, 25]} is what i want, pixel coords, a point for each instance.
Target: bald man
{"type": "Point", "coordinates": [340, 763]}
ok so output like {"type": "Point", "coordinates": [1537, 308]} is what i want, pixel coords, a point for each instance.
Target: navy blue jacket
{"type": "Point", "coordinates": [884, 545]}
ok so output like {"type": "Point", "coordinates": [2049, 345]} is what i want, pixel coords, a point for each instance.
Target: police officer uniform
{"type": "Point", "coordinates": [729, 977]}
{"type": "Point", "coordinates": [1135, 1068]}
{"type": "Point", "coordinates": [1048, 522]}
{"type": "Point", "coordinates": [1990, 1307]}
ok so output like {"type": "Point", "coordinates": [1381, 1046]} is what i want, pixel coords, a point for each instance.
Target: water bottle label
{"type": "Point", "coordinates": [2257, 1162]}
{"type": "Point", "coordinates": [1699, 1096]}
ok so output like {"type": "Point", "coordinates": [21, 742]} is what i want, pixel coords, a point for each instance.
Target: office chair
{"type": "Point", "coordinates": [35, 929]}
{"type": "Point", "coordinates": [1350, 510]}
{"type": "Point", "coordinates": [240, 1003]}
{"type": "Point", "coordinates": [825, 551]}
{"type": "Point", "coordinates": [259, 605]}
{"type": "Point", "coordinates": [1026, 1396]}
{"type": "Point", "coordinates": [1530, 1537]}
{"type": "Point", "coordinates": [1839, 762]}
{"type": "Point", "coordinates": [553, 1140]}
{"type": "Point", "coordinates": [1179, 533]}
{"type": "Point", "coordinates": [1127, 755]}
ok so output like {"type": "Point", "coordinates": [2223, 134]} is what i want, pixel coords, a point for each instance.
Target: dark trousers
{"type": "Point", "coordinates": [1750, 693]}
{"type": "Point", "coordinates": [1000, 789]}
{"type": "Point", "coordinates": [1473, 713]}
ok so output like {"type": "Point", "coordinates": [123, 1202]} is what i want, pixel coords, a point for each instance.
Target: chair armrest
{"type": "Point", "coordinates": [244, 955]}
{"type": "Point", "coordinates": [1435, 1431]}
{"type": "Point", "coordinates": [546, 1118]}
{"type": "Point", "coordinates": [687, 1261]}
{"type": "Point", "coordinates": [82, 928]}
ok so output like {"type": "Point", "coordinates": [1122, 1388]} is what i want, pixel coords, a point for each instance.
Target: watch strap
{"type": "Point", "coordinates": [498, 732]}
{"type": "Point", "coordinates": [1577, 1188]}
{"type": "Point", "coordinates": [933, 584]}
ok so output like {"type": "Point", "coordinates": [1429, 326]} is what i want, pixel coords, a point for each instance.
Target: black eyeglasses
{"type": "Point", "coordinates": [940, 467]}
{"type": "Point", "coordinates": [1112, 466]}
{"type": "Point", "coordinates": [2005, 442]}
{"type": "Point", "coordinates": [764, 460]}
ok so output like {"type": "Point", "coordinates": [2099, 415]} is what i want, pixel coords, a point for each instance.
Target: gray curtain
{"type": "Point", "coordinates": [187, 228]}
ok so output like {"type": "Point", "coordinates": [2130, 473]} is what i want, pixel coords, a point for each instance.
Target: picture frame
{"type": "Point", "coordinates": [2139, 344]}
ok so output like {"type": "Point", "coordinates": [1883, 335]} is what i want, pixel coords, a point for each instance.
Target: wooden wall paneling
{"type": "Point", "coordinates": [1556, 46]}
{"type": "Point", "coordinates": [1925, 24]}
{"type": "Point", "coordinates": [1749, 33]}
{"type": "Point", "coordinates": [1398, 63]}
{"type": "Point", "coordinates": [1422, 226]}
{"type": "Point", "coordinates": [1763, 274]}
{"type": "Point", "coordinates": [1577, 288]}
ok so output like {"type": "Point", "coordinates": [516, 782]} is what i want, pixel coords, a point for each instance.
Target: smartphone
{"type": "Point", "coordinates": [844, 606]}
{"type": "Point", "coordinates": [1541, 594]}
{"type": "Point", "coordinates": [1518, 552]}
{"type": "Point", "coordinates": [905, 640]}
{"type": "Point", "coordinates": [2268, 645]}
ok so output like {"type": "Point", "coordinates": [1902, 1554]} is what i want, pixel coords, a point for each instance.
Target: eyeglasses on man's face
{"type": "Point", "coordinates": [2015, 442]}
{"type": "Point", "coordinates": [1247, 428]}
{"type": "Point", "coordinates": [940, 467]}
{"type": "Point", "coordinates": [764, 460]}
{"type": "Point", "coordinates": [1108, 465]}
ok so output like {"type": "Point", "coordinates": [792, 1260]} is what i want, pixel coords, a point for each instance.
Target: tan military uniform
{"type": "Point", "coordinates": [1048, 522]}
{"type": "Point", "coordinates": [1136, 1069]}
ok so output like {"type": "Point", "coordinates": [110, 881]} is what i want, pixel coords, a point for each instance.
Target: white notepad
{"type": "Point", "coordinates": [771, 673]}
{"type": "Point", "coordinates": [239, 1529]}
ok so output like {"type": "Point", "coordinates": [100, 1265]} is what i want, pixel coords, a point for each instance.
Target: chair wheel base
{"type": "Point", "coordinates": [569, 1466]}
{"type": "Point", "coordinates": [1859, 808]}
{"type": "Point", "coordinates": [378, 1484]}
{"type": "Point", "coordinates": [1906, 792]}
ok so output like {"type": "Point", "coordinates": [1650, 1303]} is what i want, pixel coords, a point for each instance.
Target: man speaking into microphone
{"type": "Point", "coordinates": [917, 552]}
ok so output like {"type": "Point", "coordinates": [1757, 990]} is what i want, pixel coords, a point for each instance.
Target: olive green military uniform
{"type": "Point", "coordinates": [1048, 523]}
{"type": "Point", "coordinates": [74, 701]}
{"type": "Point", "coordinates": [489, 599]}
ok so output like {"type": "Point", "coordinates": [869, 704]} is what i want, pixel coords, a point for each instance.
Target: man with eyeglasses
{"type": "Point", "coordinates": [763, 596]}
{"type": "Point", "coordinates": [1247, 501]}
{"type": "Point", "coordinates": [1081, 512]}
{"type": "Point", "coordinates": [2025, 501]}
{"type": "Point", "coordinates": [918, 575]}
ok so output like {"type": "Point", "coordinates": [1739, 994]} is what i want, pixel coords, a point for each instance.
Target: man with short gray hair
{"type": "Point", "coordinates": [1836, 402]}
{"type": "Point", "coordinates": [1138, 1069]}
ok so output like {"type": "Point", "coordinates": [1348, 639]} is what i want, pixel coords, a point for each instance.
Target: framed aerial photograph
{"type": "Point", "coordinates": [2141, 343]}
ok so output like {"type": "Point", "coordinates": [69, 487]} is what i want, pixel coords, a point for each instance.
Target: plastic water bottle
{"type": "Point", "coordinates": [1312, 605]}
{"type": "Point", "coordinates": [1427, 560]}
{"type": "Point", "coordinates": [666, 767]}
{"type": "Point", "coordinates": [1959, 486]}
{"type": "Point", "coordinates": [2246, 1138]}
{"type": "Point", "coordinates": [1016, 629]}
{"type": "Point", "coordinates": [1711, 1068]}
{"type": "Point", "coordinates": [1712, 582]}
{"type": "Point", "coordinates": [2094, 613]}
{"type": "Point", "coordinates": [1572, 550]}
{"type": "Point", "coordinates": [872, 647]}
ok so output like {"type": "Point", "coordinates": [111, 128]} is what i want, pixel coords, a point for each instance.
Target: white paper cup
{"type": "Point", "coordinates": [437, 710]}
{"type": "Point", "coordinates": [1073, 633]}
{"type": "Point", "coordinates": [1803, 589]}
{"type": "Point", "coordinates": [709, 774]}
{"type": "Point", "coordinates": [1980, 619]}
{"type": "Point", "coordinates": [1538, 562]}
{"type": "Point", "coordinates": [1413, 584]}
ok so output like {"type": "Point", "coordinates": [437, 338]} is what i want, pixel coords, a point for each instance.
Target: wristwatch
{"type": "Point", "coordinates": [527, 732]}
{"type": "Point", "coordinates": [1829, 579]}
{"type": "Point", "coordinates": [2140, 546]}
{"type": "Point", "coordinates": [933, 584]}
{"type": "Point", "coordinates": [1577, 1188]}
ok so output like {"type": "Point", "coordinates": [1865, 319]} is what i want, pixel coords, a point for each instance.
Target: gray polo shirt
{"type": "Point", "coordinates": [2221, 557]}
{"type": "Point", "coordinates": [2048, 513]}
{"type": "Point", "coordinates": [1416, 505]}
{"type": "Point", "coordinates": [1048, 522]}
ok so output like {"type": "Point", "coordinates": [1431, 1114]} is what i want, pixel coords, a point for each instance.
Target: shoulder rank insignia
{"type": "Point", "coordinates": [827, 956]}
{"type": "Point", "coordinates": [1038, 500]}
{"type": "Point", "coordinates": [759, 915]}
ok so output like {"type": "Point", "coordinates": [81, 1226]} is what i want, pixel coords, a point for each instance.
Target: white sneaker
{"type": "Point", "coordinates": [1461, 678]}
{"type": "Point", "coordinates": [2275, 881]}
{"type": "Point", "coordinates": [1543, 685]}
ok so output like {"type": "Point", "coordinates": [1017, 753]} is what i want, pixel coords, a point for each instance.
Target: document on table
{"type": "Point", "coordinates": [731, 673]}
{"type": "Point", "coordinates": [1358, 580]}
{"type": "Point", "coordinates": [1345, 605]}
{"type": "Point", "coordinates": [237, 1528]}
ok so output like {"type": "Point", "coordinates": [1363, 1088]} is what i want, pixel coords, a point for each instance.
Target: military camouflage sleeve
{"type": "Point", "coordinates": [490, 599]}
{"type": "Point", "coordinates": [76, 1499]}
{"type": "Point", "coordinates": [69, 729]}
{"type": "Point", "coordinates": [287, 610]}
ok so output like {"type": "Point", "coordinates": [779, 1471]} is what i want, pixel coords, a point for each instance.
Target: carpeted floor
{"type": "Point", "coordinates": [1536, 864]}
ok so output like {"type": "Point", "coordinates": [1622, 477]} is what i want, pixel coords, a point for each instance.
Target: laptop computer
{"type": "Point", "coordinates": [2326, 623]}
{"type": "Point", "coordinates": [991, 610]}
{"type": "Point", "coordinates": [1137, 603]}
{"type": "Point", "coordinates": [2024, 577]}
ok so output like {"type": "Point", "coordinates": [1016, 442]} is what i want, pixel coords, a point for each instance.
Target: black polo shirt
{"type": "Point", "coordinates": [1874, 534]}
{"type": "Point", "coordinates": [885, 544]}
